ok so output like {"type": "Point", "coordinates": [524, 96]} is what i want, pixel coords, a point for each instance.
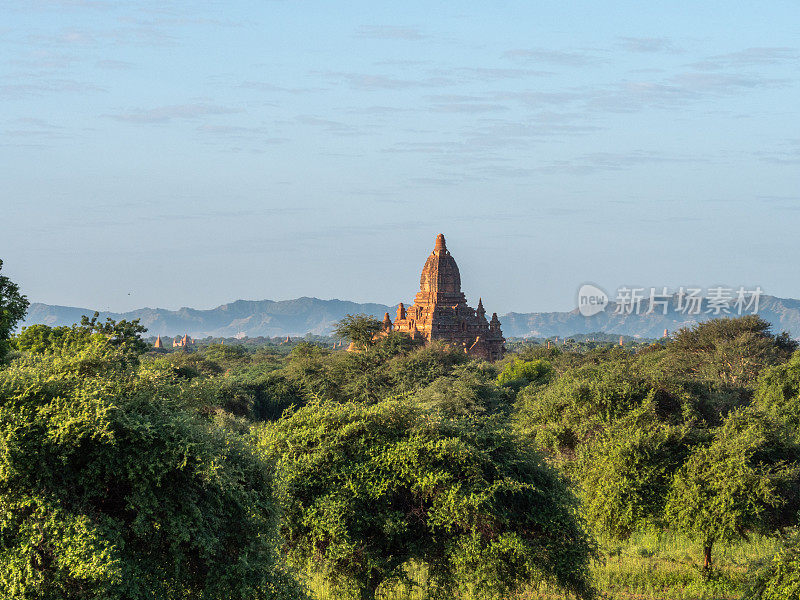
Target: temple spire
{"type": "Point", "coordinates": [440, 245]}
{"type": "Point", "coordinates": [480, 310]}
{"type": "Point", "coordinates": [401, 312]}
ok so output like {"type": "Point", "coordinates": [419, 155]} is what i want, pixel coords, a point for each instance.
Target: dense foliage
{"type": "Point", "coordinates": [127, 472]}
{"type": "Point", "coordinates": [13, 306]}
{"type": "Point", "coordinates": [780, 578]}
{"type": "Point", "coordinates": [369, 488]}
{"type": "Point", "coordinates": [111, 487]}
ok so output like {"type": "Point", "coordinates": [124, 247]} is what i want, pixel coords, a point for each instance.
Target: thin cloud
{"type": "Point", "coordinates": [45, 60]}
{"type": "Point", "coordinates": [749, 57]}
{"type": "Point", "coordinates": [530, 98]}
{"type": "Point", "coordinates": [35, 129]}
{"type": "Point", "coordinates": [47, 86]}
{"type": "Point", "coordinates": [67, 37]}
{"type": "Point", "coordinates": [165, 114]}
{"type": "Point", "coordinates": [786, 154]}
{"type": "Point", "coordinates": [378, 110]}
{"type": "Point", "coordinates": [367, 82]}
{"type": "Point", "coordinates": [649, 45]}
{"type": "Point", "coordinates": [228, 133]}
{"type": "Point", "coordinates": [609, 161]}
{"type": "Point", "coordinates": [678, 90]}
{"type": "Point", "coordinates": [466, 107]}
{"type": "Point", "coordinates": [330, 126]}
{"type": "Point", "coordinates": [719, 83]}
{"type": "Point", "coordinates": [457, 103]}
{"type": "Point", "coordinates": [489, 74]}
{"type": "Point", "coordinates": [758, 56]}
{"type": "Point", "coordinates": [264, 86]}
{"type": "Point", "coordinates": [553, 57]}
{"type": "Point", "coordinates": [389, 32]}
{"type": "Point", "coordinates": [117, 65]}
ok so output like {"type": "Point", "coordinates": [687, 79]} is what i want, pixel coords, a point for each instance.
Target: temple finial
{"type": "Point", "coordinates": [440, 245]}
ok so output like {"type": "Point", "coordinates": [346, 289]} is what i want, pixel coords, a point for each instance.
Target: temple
{"type": "Point", "coordinates": [440, 311]}
{"type": "Point", "coordinates": [184, 342]}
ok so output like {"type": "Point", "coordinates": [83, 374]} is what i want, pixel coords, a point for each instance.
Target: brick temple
{"type": "Point", "coordinates": [440, 311]}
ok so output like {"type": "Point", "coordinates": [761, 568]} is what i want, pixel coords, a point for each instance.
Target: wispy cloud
{"type": "Point", "coordinates": [367, 82]}
{"type": "Point", "coordinates": [265, 86]}
{"type": "Point", "coordinates": [45, 60]}
{"type": "Point", "coordinates": [610, 161]}
{"type": "Point", "coordinates": [35, 128]}
{"type": "Point", "coordinates": [164, 114]}
{"type": "Point", "coordinates": [455, 103]}
{"type": "Point", "coordinates": [787, 153]}
{"type": "Point", "coordinates": [749, 57]}
{"type": "Point", "coordinates": [66, 37]}
{"type": "Point", "coordinates": [536, 98]}
{"type": "Point", "coordinates": [118, 65]}
{"type": "Point", "coordinates": [648, 45]}
{"type": "Point", "coordinates": [493, 74]}
{"type": "Point", "coordinates": [389, 32]}
{"type": "Point", "coordinates": [254, 137]}
{"type": "Point", "coordinates": [554, 57]}
{"type": "Point", "coordinates": [329, 126]}
{"type": "Point", "coordinates": [41, 87]}
{"type": "Point", "coordinates": [679, 90]}
{"type": "Point", "coordinates": [719, 83]}
{"type": "Point", "coordinates": [132, 33]}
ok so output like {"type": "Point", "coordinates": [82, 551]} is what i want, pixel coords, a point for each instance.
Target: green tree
{"type": "Point", "coordinates": [519, 373]}
{"type": "Point", "coordinates": [126, 335]}
{"type": "Point", "coordinates": [626, 474]}
{"type": "Point", "coordinates": [13, 306]}
{"type": "Point", "coordinates": [366, 489]}
{"type": "Point", "coordinates": [731, 486]}
{"type": "Point", "coordinates": [729, 351]}
{"type": "Point", "coordinates": [581, 403]}
{"type": "Point", "coordinates": [470, 389]}
{"type": "Point", "coordinates": [43, 339]}
{"type": "Point", "coordinates": [110, 489]}
{"type": "Point", "coordinates": [359, 329]}
{"type": "Point", "coordinates": [778, 394]}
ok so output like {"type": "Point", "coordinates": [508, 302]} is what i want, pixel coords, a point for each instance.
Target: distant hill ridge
{"type": "Point", "coordinates": [297, 317]}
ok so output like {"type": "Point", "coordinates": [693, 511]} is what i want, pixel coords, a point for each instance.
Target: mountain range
{"type": "Point", "coordinates": [297, 317]}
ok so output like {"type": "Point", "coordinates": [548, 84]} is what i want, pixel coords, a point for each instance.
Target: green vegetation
{"type": "Point", "coordinates": [359, 329]}
{"type": "Point", "coordinates": [668, 470]}
{"type": "Point", "coordinates": [780, 578]}
{"type": "Point", "coordinates": [367, 489]}
{"type": "Point", "coordinates": [113, 486]}
{"type": "Point", "coordinates": [13, 306]}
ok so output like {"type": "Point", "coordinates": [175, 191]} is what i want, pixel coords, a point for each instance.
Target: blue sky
{"type": "Point", "coordinates": [191, 153]}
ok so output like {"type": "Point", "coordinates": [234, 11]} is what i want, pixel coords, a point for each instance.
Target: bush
{"type": "Point", "coordinates": [366, 489]}
{"type": "Point", "coordinates": [111, 491]}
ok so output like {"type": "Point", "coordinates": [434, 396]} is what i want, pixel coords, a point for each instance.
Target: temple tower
{"type": "Point", "coordinates": [440, 310]}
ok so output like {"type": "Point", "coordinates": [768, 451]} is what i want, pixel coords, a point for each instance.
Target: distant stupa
{"type": "Point", "coordinates": [184, 342]}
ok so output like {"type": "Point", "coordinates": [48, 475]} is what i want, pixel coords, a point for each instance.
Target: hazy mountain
{"type": "Point", "coordinates": [253, 317]}
{"type": "Point", "coordinates": [783, 313]}
{"type": "Point", "coordinates": [312, 315]}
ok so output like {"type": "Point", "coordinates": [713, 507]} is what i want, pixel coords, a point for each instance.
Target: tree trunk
{"type": "Point", "coordinates": [368, 590]}
{"type": "Point", "coordinates": [707, 555]}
